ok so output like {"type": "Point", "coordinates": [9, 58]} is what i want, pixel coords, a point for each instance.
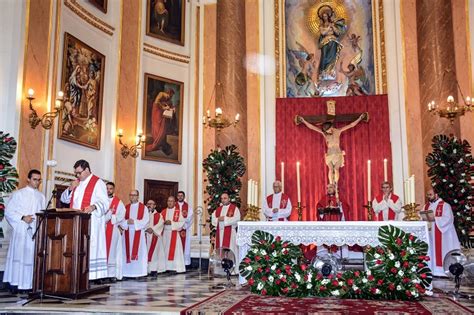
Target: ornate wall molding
{"type": "Point", "coordinates": [165, 53]}
{"type": "Point", "coordinates": [85, 15]}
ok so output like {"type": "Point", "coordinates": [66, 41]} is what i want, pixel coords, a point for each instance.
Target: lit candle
{"type": "Point", "coordinates": [143, 138]}
{"type": "Point", "coordinates": [57, 104]}
{"type": "Point", "coordinates": [407, 193]}
{"type": "Point", "coordinates": [218, 111]}
{"type": "Point", "coordinates": [120, 132]}
{"type": "Point", "coordinates": [385, 170]}
{"type": "Point", "coordinates": [298, 181]}
{"type": "Point", "coordinates": [369, 195]}
{"type": "Point", "coordinates": [256, 194]}
{"type": "Point", "coordinates": [450, 99]}
{"type": "Point", "coordinates": [237, 117]}
{"type": "Point", "coordinates": [208, 113]}
{"type": "Point", "coordinates": [412, 189]}
{"type": "Point", "coordinates": [282, 177]}
{"type": "Point", "coordinates": [251, 192]}
{"type": "Point", "coordinates": [60, 95]}
{"type": "Point", "coordinates": [31, 92]}
{"type": "Point", "coordinates": [429, 106]}
{"type": "Point", "coordinates": [203, 120]}
{"type": "Point", "coordinates": [248, 191]}
{"type": "Point", "coordinates": [468, 100]}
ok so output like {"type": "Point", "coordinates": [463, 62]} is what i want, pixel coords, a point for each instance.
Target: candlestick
{"type": "Point", "coordinates": [385, 170]}
{"type": "Point", "coordinates": [251, 192]}
{"type": "Point", "coordinates": [256, 194]}
{"type": "Point", "coordinates": [369, 195]}
{"type": "Point", "coordinates": [298, 181]}
{"type": "Point", "coordinates": [412, 189]}
{"type": "Point", "coordinates": [405, 188]}
{"type": "Point", "coordinates": [282, 177]}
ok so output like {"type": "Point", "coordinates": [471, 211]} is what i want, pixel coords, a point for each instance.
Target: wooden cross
{"type": "Point", "coordinates": [331, 117]}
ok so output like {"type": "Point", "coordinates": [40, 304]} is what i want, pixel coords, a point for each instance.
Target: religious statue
{"type": "Point", "coordinates": [335, 155]}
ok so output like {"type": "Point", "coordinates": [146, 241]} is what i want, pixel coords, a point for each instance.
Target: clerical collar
{"type": "Point", "coordinates": [277, 193]}
{"type": "Point", "coordinates": [180, 202]}
{"type": "Point", "coordinates": [434, 200]}
{"type": "Point", "coordinates": [171, 208]}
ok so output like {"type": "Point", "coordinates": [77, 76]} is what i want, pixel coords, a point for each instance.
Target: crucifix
{"type": "Point", "coordinates": [334, 156]}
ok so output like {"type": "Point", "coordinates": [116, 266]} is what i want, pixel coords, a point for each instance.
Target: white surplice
{"type": "Point", "coordinates": [449, 239]}
{"type": "Point", "coordinates": [115, 260]}
{"type": "Point", "coordinates": [176, 264]}
{"type": "Point", "coordinates": [228, 221]}
{"type": "Point", "coordinates": [157, 262]}
{"type": "Point", "coordinates": [187, 226]}
{"type": "Point", "coordinates": [97, 246]}
{"type": "Point", "coordinates": [20, 257]}
{"type": "Point", "coordinates": [283, 213]}
{"type": "Point", "coordinates": [384, 206]}
{"type": "Point", "coordinates": [136, 268]}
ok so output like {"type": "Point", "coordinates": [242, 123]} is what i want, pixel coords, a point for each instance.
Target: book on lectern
{"type": "Point", "coordinates": [427, 215]}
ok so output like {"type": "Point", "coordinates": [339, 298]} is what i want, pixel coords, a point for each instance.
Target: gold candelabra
{"type": "Point", "coordinates": [299, 208]}
{"type": "Point", "coordinates": [411, 212]}
{"type": "Point", "coordinates": [47, 119]}
{"type": "Point", "coordinates": [131, 151]}
{"type": "Point", "coordinates": [369, 208]}
{"type": "Point", "coordinates": [218, 122]}
{"type": "Point", "coordinates": [253, 213]}
{"type": "Point", "coordinates": [453, 109]}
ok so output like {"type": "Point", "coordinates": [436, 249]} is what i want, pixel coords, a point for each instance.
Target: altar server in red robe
{"type": "Point", "coordinates": [114, 217]}
{"type": "Point", "coordinates": [225, 220]}
{"type": "Point", "coordinates": [89, 194]}
{"type": "Point", "coordinates": [443, 235]}
{"type": "Point", "coordinates": [387, 206]}
{"type": "Point", "coordinates": [136, 253]}
{"type": "Point", "coordinates": [277, 206]}
{"type": "Point", "coordinates": [154, 240]}
{"type": "Point", "coordinates": [173, 224]}
{"type": "Point", "coordinates": [185, 233]}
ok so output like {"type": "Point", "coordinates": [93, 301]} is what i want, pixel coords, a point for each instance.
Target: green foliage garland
{"type": "Point", "coordinates": [396, 270]}
{"type": "Point", "coordinates": [451, 168]}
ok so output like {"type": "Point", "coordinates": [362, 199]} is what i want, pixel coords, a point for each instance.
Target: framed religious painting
{"type": "Point", "coordinates": [165, 20]}
{"type": "Point", "coordinates": [100, 4]}
{"type": "Point", "coordinates": [329, 48]}
{"type": "Point", "coordinates": [82, 81]}
{"type": "Point", "coordinates": [162, 119]}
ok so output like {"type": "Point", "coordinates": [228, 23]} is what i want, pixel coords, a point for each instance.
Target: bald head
{"type": "Point", "coordinates": [431, 195]}
{"type": "Point", "coordinates": [277, 187]}
{"type": "Point", "coordinates": [331, 189]}
{"type": "Point", "coordinates": [134, 196]}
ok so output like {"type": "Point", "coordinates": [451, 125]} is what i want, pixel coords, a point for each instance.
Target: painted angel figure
{"type": "Point", "coordinates": [307, 65]}
{"type": "Point", "coordinates": [358, 83]}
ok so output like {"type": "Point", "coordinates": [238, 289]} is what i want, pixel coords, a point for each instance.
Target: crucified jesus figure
{"type": "Point", "coordinates": [334, 155]}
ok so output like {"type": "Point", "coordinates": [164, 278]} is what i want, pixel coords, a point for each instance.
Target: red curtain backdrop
{"type": "Point", "coordinates": [366, 141]}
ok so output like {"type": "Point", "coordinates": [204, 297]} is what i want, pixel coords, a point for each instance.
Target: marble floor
{"type": "Point", "coordinates": [166, 294]}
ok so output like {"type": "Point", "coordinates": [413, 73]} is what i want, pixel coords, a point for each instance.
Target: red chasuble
{"type": "Point", "coordinates": [438, 234]}
{"type": "Point", "coordinates": [227, 229]}
{"type": "Point", "coordinates": [136, 237]}
{"type": "Point", "coordinates": [184, 212]}
{"type": "Point", "coordinates": [283, 202]}
{"type": "Point", "coordinates": [331, 201]}
{"type": "Point", "coordinates": [154, 239]}
{"type": "Point", "coordinates": [391, 213]}
{"type": "Point", "coordinates": [86, 199]}
{"type": "Point", "coordinates": [109, 227]}
{"type": "Point", "coordinates": [174, 233]}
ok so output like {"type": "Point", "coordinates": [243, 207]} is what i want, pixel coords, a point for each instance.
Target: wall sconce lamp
{"type": "Point", "coordinates": [47, 119]}
{"type": "Point", "coordinates": [133, 150]}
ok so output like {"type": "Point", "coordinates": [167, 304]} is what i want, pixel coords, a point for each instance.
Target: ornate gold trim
{"type": "Point", "coordinates": [276, 6]}
{"type": "Point", "coordinates": [165, 53]}
{"type": "Point", "coordinates": [382, 46]}
{"type": "Point", "coordinates": [89, 17]}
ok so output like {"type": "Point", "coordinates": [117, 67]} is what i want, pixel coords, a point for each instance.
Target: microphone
{"type": "Point", "coordinates": [53, 193]}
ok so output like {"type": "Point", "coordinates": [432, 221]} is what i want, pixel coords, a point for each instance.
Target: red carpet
{"type": "Point", "coordinates": [243, 302]}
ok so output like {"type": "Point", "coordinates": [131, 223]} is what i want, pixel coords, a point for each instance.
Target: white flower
{"type": "Point", "coordinates": [255, 250]}
{"type": "Point", "coordinates": [274, 254]}
{"type": "Point", "coordinates": [413, 269]}
{"type": "Point", "coordinates": [444, 180]}
{"type": "Point", "coordinates": [364, 280]}
{"type": "Point", "coordinates": [397, 264]}
{"type": "Point", "coordinates": [341, 283]}
{"type": "Point", "coordinates": [309, 286]}
{"type": "Point", "coordinates": [280, 275]}
{"type": "Point", "coordinates": [271, 279]}
{"type": "Point", "coordinates": [249, 268]}
{"type": "Point", "coordinates": [401, 273]}
{"type": "Point", "coordinates": [377, 256]}
{"type": "Point", "coordinates": [369, 272]}
{"type": "Point", "coordinates": [454, 150]}
{"type": "Point", "coordinates": [414, 293]}
{"type": "Point", "coordinates": [310, 275]}
{"type": "Point", "coordinates": [442, 164]}
{"type": "Point", "coordinates": [411, 251]}
{"type": "Point", "coordinates": [450, 185]}
{"type": "Point", "coordinates": [429, 293]}
{"type": "Point", "coordinates": [263, 252]}
{"type": "Point", "coordinates": [416, 280]}
{"type": "Point", "coordinates": [325, 281]}
{"type": "Point", "coordinates": [377, 291]}
{"type": "Point", "coordinates": [355, 288]}
{"type": "Point", "coordinates": [335, 293]}
{"type": "Point", "coordinates": [298, 277]}
{"type": "Point", "coordinates": [391, 256]}
{"type": "Point", "coordinates": [260, 286]}
{"type": "Point", "coordinates": [273, 267]}
{"type": "Point", "coordinates": [399, 287]}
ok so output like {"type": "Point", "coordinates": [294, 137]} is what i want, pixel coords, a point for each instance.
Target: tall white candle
{"type": "Point", "coordinates": [406, 190]}
{"type": "Point", "coordinates": [298, 181]}
{"type": "Point", "coordinates": [282, 177]}
{"type": "Point", "coordinates": [369, 194]}
{"type": "Point", "coordinates": [412, 189]}
{"type": "Point", "coordinates": [385, 170]}
{"type": "Point", "coordinates": [249, 192]}
{"type": "Point", "coordinates": [256, 194]}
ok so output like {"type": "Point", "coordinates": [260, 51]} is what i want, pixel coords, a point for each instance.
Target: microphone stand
{"type": "Point", "coordinates": [199, 212]}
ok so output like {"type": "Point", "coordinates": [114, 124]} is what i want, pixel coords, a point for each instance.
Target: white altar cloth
{"type": "Point", "coordinates": [362, 233]}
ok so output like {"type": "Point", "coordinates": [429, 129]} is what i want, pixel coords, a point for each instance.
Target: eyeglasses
{"type": "Point", "coordinates": [133, 195]}
{"type": "Point", "coordinates": [78, 173]}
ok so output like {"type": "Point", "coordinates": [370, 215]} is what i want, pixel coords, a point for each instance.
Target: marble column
{"type": "Point", "coordinates": [231, 73]}
{"type": "Point", "coordinates": [436, 68]}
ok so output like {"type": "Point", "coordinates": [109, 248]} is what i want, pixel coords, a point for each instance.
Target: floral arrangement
{"type": "Point", "coordinates": [396, 270]}
{"type": "Point", "coordinates": [8, 173]}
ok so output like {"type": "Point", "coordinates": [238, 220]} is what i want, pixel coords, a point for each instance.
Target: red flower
{"type": "Point", "coordinates": [288, 272]}
{"type": "Point", "coordinates": [380, 250]}
{"type": "Point", "coordinates": [322, 288]}
{"type": "Point", "coordinates": [357, 291]}
{"type": "Point", "coordinates": [408, 293]}
{"type": "Point", "coordinates": [251, 281]}
{"type": "Point", "coordinates": [370, 278]}
{"type": "Point", "coordinates": [303, 267]}
{"type": "Point", "coordinates": [247, 260]}
{"type": "Point", "coordinates": [305, 278]}
{"type": "Point", "coordinates": [267, 258]}
{"type": "Point", "coordinates": [260, 269]}
{"type": "Point", "coordinates": [2, 166]}
{"type": "Point", "coordinates": [264, 292]}
{"type": "Point", "coordinates": [284, 290]}
{"type": "Point", "coordinates": [330, 276]}
{"type": "Point", "coordinates": [421, 290]}
{"type": "Point", "coordinates": [278, 271]}
{"type": "Point", "coordinates": [267, 270]}
{"type": "Point", "coordinates": [257, 258]}
{"type": "Point", "coordinates": [380, 282]}
{"type": "Point", "coordinates": [393, 270]}
{"type": "Point", "coordinates": [287, 267]}
{"type": "Point", "coordinates": [339, 275]}
{"type": "Point", "coordinates": [277, 281]}
{"type": "Point", "coordinates": [411, 237]}
{"type": "Point", "coordinates": [264, 279]}
{"type": "Point", "coordinates": [285, 245]}
{"type": "Point", "coordinates": [372, 290]}
{"type": "Point", "coordinates": [294, 286]}
{"type": "Point", "coordinates": [423, 276]}
{"type": "Point", "coordinates": [319, 276]}
{"type": "Point", "coordinates": [399, 241]}
{"type": "Point", "coordinates": [335, 283]}
{"type": "Point", "coordinates": [285, 252]}
{"type": "Point", "coordinates": [283, 279]}
{"type": "Point", "coordinates": [272, 246]}
{"type": "Point", "coordinates": [391, 286]}
{"type": "Point", "coordinates": [406, 264]}
{"type": "Point", "coordinates": [421, 265]}
{"type": "Point", "coordinates": [378, 262]}
{"type": "Point", "coordinates": [356, 274]}
{"type": "Point", "coordinates": [277, 239]}
{"type": "Point", "coordinates": [406, 280]}
{"type": "Point", "coordinates": [403, 253]}
{"type": "Point", "coordinates": [263, 242]}
{"type": "Point", "coordinates": [427, 258]}
{"type": "Point", "coordinates": [350, 282]}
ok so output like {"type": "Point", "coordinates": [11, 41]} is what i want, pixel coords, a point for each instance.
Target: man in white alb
{"type": "Point", "coordinates": [442, 233]}
{"type": "Point", "coordinates": [277, 206]}
{"type": "Point", "coordinates": [20, 214]}
{"type": "Point", "coordinates": [136, 221]}
{"type": "Point", "coordinates": [154, 241]}
{"type": "Point", "coordinates": [173, 224]}
{"type": "Point", "coordinates": [187, 213]}
{"type": "Point", "coordinates": [89, 194]}
{"type": "Point", "coordinates": [114, 217]}
{"type": "Point", "coordinates": [387, 206]}
{"type": "Point", "coordinates": [225, 220]}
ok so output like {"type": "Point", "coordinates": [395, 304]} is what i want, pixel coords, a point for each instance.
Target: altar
{"type": "Point", "coordinates": [362, 233]}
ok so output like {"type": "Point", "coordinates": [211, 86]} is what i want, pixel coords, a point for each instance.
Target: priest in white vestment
{"type": "Point", "coordinates": [443, 235]}
{"type": "Point", "coordinates": [135, 256]}
{"type": "Point", "coordinates": [89, 194]}
{"type": "Point", "coordinates": [173, 224]}
{"type": "Point", "coordinates": [277, 206]}
{"type": "Point", "coordinates": [20, 214]}
{"type": "Point", "coordinates": [188, 215]}
{"type": "Point", "coordinates": [387, 206]}
{"type": "Point", "coordinates": [225, 220]}
{"type": "Point", "coordinates": [154, 240]}
{"type": "Point", "coordinates": [114, 217]}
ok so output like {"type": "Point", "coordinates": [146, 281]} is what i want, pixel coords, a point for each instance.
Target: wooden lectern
{"type": "Point", "coordinates": [62, 254]}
